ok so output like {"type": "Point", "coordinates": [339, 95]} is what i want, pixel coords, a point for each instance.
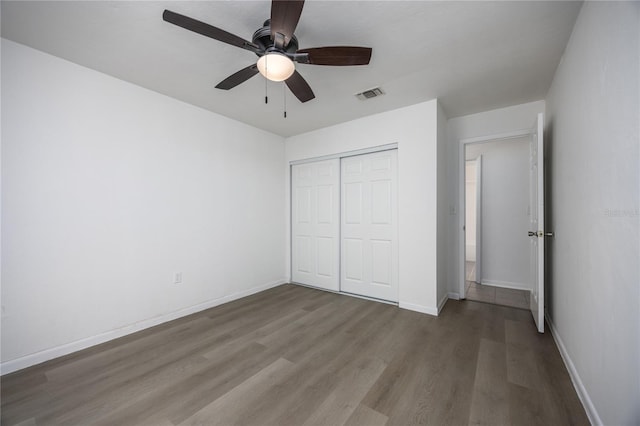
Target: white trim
{"type": "Point", "coordinates": [506, 284]}
{"type": "Point", "coordinates": [583, 395]}
{"type": "Point", "coordinates": [461, 195]}
{"type": "Point", "coordinates": [369, 150]}
{"type": "Point", "coordinates": [442, 302]}
{"type": "Point", "coordinates": [419, 308]}
{"type": "Point", "coordinates": [478, 252]}
{"type": "Point", "coordinates": [58, 351]}
{"type": "Point", "coordinates": [497, 137]}
{"type": "Point", "coordinates": [454, 296]}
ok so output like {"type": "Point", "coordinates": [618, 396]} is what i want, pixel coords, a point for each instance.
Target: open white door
{"type": "Point", "coordinates": [536, 226]}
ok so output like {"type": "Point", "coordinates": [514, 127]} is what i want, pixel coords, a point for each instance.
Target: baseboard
{"type": "Point", "coordinates": [442, 302]}
{"type": "Point", "coordinates": [506, 284]}
{"type": "Point", "coordinates": [454, 296]}
{"type": "Point", "coordinates": [58, 351]}
{"type": "Point", "coordinates": [589, 408]}
{"type": "Point", "coordinates": [419, 308]}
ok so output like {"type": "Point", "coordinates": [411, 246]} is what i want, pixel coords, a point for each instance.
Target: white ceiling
{"type": "Point", "coordinates": [473, 56]}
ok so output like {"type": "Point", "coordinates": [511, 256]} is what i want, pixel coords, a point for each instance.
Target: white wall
{"type": "Point", "coordinates": [505, 216]}
{"type": "Point", "coordinates": [107, 190]}
{"type": "Point", "coordinates": [594, 160]}
{"type": "Point", "coordinates": [414, 129]}
{"type": "Point", "coordinates": [499, 121]}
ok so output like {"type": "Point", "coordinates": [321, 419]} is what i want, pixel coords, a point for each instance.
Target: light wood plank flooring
{"type": "Point", "coordinates": [297, 356]}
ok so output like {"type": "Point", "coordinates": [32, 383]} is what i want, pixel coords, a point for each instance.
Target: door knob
{"type": "Point", "coordinates": [540, 234]}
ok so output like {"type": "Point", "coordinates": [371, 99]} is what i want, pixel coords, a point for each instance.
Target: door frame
{"type": "Point", "coordinates": [370, 150]}
{"type": "Point", "coordinates": [337, 155]}
{"type": "Point", "coordinates": [478, 219]}
{"type": "Point", "coordinates": [461, 196]}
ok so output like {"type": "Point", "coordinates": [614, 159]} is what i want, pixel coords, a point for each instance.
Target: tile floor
{"type": "Point", "coordinates": [495, 295]}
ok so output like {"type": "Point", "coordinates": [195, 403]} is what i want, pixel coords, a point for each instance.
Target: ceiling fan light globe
{"type": "Point", "coordinates": [276, 66]}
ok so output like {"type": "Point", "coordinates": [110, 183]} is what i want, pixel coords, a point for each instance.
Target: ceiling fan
{"type": "Point", "coordinates": [277, 48]}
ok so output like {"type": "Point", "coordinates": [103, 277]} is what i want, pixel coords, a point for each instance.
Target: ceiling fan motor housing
{"type": "Point", "coordinates": [262, 38]}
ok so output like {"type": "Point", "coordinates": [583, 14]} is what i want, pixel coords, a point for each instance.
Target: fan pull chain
{"type": "Point", "coordinates": [284, 94]}
{"type": "Point", "coordinates": [266, 69]}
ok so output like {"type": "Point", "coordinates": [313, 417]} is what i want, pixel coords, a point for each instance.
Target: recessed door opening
{"type": "Point", "coordinates": [504, 263]}
{"type": "Point", "coordinates": [473, 176]}
{"type": "Point", "coordinates": [496, 218]}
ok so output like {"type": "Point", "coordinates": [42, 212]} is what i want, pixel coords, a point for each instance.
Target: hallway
{"type": "Point", "coordinates": [491, 294]}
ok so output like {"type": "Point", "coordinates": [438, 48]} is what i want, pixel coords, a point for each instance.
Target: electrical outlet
{"type": "Point", "coordinates": [177, 278]}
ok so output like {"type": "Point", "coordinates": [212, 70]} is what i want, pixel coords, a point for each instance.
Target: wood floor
{"type": "Point", "coordinates": [297, 356]}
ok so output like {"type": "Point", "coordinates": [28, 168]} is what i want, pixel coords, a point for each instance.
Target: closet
{"type": "Point", "coordinates": [345, 224]}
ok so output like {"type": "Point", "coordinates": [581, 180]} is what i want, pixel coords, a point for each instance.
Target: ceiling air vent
{"type": "Point", "coordinates": [371, 93]}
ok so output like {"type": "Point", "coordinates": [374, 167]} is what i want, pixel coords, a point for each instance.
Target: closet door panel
{"type": "Point", "coordinates": [315, 224]}
{"type": "Point", "coordinates": [369, 255]}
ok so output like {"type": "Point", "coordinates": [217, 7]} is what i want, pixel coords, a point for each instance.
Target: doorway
{"type": "Point", "coordinates": [473, 238]}
{"type": "Point", "coordinates": [496, 220]}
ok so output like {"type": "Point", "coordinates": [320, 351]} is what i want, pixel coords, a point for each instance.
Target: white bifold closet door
{"type": "Point", "coordinates": [315, 218]}
{"type": "Point", "coordinates": [369, 225]}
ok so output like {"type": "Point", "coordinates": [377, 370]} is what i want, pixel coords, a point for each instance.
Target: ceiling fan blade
{"type": "Point", "coordinates": [208, 30]}
{"type": "Point", "coordinates": [285, 15]}
{"type": "Point", "coordinates": [240, 77]}
{"type": "Point", "coordinates": [338, 55]}
{"type": "Point", "coordinates": [299, 87]}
